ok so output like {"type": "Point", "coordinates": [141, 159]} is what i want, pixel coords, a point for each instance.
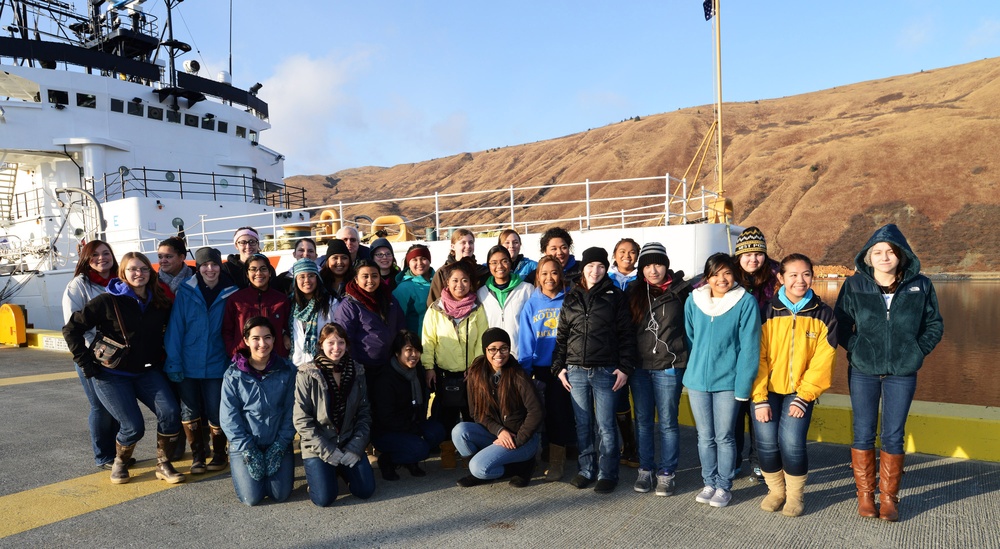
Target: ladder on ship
{"type": "Point", "coordinates": [8, 174]}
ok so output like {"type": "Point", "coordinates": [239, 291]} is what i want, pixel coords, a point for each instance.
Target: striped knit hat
{"type": "Point", "coordinates": [751, 240]}
{"type": "Point", "coordinates": [653, 253]}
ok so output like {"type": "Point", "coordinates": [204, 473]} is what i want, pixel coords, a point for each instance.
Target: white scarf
{"type": "Point", "coordinates": [703, 299]}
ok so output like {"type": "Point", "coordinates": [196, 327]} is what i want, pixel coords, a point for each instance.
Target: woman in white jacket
{"type": "Point", "coordinates": [312, 308]}
{"type": "Point", "coordinates": [504, 295]}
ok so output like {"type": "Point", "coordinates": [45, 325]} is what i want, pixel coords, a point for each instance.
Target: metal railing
{"type": "Point", "coordinates": [647, 201]}
{"type": "Point", "coordinates": [159, 183]}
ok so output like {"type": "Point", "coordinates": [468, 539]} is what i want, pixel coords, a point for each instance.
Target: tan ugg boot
{"type": "Point", "coordinates": [794, 489]}
{"type": "Point", "coordinates": [448, 458]}
{"type": "Point", "coordinates": [775, 491]}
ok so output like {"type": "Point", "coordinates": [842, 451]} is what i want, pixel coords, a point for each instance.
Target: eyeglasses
{"type": "Point", "coordinates": [494, 351]}
{"type": "Point", "coordinates": [383, 255]}
{"type": "Point", "coordinates": [504, 262]}
{"type": "Point", "coordinates": [245, 243]}
{"type": "Point", "coordinates": [137, 270]}
{"type": "Point", "coordinates": [257, 269]}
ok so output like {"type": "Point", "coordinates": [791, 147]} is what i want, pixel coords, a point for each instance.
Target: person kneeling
{"type": "Point", "coordinates": [508, 414]}
{"type": "Point", "coordinates": [333, 419]}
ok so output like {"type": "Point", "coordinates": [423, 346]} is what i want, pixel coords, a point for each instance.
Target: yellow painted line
{"type": "Point", "coordinates": [71, 498]}
{"type": "Point", "coordinates": [37, 378]}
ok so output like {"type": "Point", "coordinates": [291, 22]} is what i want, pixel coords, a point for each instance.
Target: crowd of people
{"type": "Point", "coordinates": [561, 357]}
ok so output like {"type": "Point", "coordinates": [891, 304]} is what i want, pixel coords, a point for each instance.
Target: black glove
{"type": "Point", "coordinates": [89, 369]}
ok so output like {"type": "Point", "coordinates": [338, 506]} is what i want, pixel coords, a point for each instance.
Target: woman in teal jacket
{"type": "Point", "coordinates": [413, 285]}
{"type": "Point", "coordinates": [888, 320]}
{"type": "Point", "coordinates": [258, 396]}
{"type": "Point", "coordinates": [722, 326]}
{"type": "Point", "coordinates": [196, 355]}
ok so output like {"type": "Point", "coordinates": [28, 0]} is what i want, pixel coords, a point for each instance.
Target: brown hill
{"type": "Point", "coordinates": [816, 172]}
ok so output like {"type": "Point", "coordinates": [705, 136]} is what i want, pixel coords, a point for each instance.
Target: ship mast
{"type": "Point", "coordinates": [718, 96]}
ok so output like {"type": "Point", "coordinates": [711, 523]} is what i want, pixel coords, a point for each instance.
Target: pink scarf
{"type": "Point", "coordinates": [457, 308]}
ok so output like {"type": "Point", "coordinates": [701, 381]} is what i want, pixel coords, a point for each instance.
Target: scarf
{"type": "Point", "coordinates": [457, 309]}
{"type": "Point", "coordinates": [174, 281]}
{"type": "Point", "coordinates": [96, 278]}
{"type": "Point", "coordinates": [309, 317]}
{"type": "Point", "coordinates": [242, 362]}
{"type": "Point", "coordinates": [118, 286]}
{"type": "Point", "coordinates": [717, 307]}
{"type": "Point", "coordinates": [794, 307]}
{"type": "Point", "coordinates": [377, 302]}
{"type": "Point", "coordinates": [337, 401]}
{"type": "Point", "coordinates": [409, 374]}
{"type": "Point", "coordinates": [503, 291]}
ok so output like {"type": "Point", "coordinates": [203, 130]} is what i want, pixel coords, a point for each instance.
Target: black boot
{"type": "Point", "coordinates": [521, 472]}
{"type": "Point", "coordinates": [471, 480]}
{"type": "Point", "coordinates": [219, 458]}
{"type": "Point", "coordinates": [387, 467]}
{"type": "Point", "coordinates": [192, 430]}
{"type": "Point", "coordinates": [415, 470]}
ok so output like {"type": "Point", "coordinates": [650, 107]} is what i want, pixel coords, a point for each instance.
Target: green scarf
{"type": "Point", "coordinates": [503, 293]}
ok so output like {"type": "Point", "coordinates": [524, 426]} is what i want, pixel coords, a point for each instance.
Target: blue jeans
{"type": "Point", "coordinates": [322, 480]}
{"type": "Point", "coordinates": [781, 442]}
{"type": "Point", "coordinates": [715, 420]}
{"type": "Point", "coordinates": [103, 426]}
{"type": "Point", "coordinates": [121, 395]}
{"type": "Point", "coordinates": [406, 448]}
{"type": "Point", "coordinates": [488, 459]}
{"type": "Point", "coordinates": [657, 393]}
{"type": "Point", "coordinates": [200, 398]}
{"type": "Point", "coordinates": [250, 491]}
{"type": "Point", "coordinates": [896, 394]}
{"type": "Point", "coordinates": [593, 400]}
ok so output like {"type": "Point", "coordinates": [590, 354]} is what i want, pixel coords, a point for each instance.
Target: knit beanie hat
{"type": "Point", "coordinates": [337, 247]}
{"type": "Point", "coordinates": [494, 335]}
{"type": "Point", "coordinates": [653, 253]}
{"type": "Point", "coordinates": [204, 255]}
{"type": "Point", "coordinates": [751, 240]}
{"type": "Point", "coordinates": [305, 265]}
{"type": "Point", "coordinates": [379, 243]}
{"type": "Point", "coordinates": [590, 255]}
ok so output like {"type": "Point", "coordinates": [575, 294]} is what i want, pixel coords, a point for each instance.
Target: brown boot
{"type": "Point", "coordinates": [165, 445]}
{"type": "Point", "coordinates": [863, 464]}
{"type": "Point", "coordinates": [448, 458]}
{"type": "Point", "coordinates": [630, 455]}
{"type": "Point", "coordinates": [123, 458]}
{"type": "Point", "coordinates": [890, 472]}
{"type": "Point", "coordinates": [794, 490]}
{"type": "Point", "coordinates": [219, 459]}
{"type": "Point", "coordinates": [557, 462]}
{"type": "Point", "coordinates": [775, 491]}
{"type": "Point", "coordinates": [192, 430]}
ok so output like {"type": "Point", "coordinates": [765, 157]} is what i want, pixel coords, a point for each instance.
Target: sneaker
{"type": "Point", "coordinates": [705, 495]}
{"type": "Point", "coordinates": [664, 484]}
{"type": "Point", "coordinates": [757, 476]}
{"type": "Point", "coordinates": [721, 498]}
{"type": "Point", "coordinates": [644, 483]}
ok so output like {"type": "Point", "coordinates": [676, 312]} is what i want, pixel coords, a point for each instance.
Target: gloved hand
{"type": "Point", "coordinates": [255, 463]}
{"type": "Point", "coordinates": [176, 377]}
{"type": "Point", "coordinates": [272, 459]}
{"type": "Point", "coordinates": [350, 459]}
{"type": "Point", "coordinates": [90, 369]}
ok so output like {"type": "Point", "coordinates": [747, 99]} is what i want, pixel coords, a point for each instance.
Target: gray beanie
{"type": "Point", "coordinates": [204, 255]}
{"type": "Point", "coordinates": [653, 253]}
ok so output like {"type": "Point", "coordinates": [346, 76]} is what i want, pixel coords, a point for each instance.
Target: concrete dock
{"type": "Point", "coordinates": [52, 495]}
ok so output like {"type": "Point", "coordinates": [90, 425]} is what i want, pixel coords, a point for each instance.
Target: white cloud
{"type": "Point", "coordinates": [306, 99]}
{"type": "Point", "coordinates": [452, 133]}
{"type": "Point", "coordinates": [986, 34]}
{"type": "Point", "coordinates": [916, 34]}
{"type": "Point", "coordinates": [601, 99]}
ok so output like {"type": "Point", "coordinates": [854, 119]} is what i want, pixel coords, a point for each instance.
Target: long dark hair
{"type": "Point", "coordinates": [83, 265]}
{"type": "Point", "coordinates": [761, 278]}
{"type": "Point", "coordinates": [717, 262]}
{"type": "Point", "coordinates": [555, 232]}
{"type": "Point", "coordinates": [480, 387]}
{"type": "Point", "coordinates": [160, 299]}
{"type": "Point", "coordinates": [321, 295]}
{"type": "Point", "coordinates": [328, 277]}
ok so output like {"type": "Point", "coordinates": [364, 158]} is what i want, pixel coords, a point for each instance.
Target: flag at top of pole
{"type": "Point", "coordinates": [709, 6]}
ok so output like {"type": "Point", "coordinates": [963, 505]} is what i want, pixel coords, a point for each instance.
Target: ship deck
{"type": "Point", "coordinates": [51, 495]}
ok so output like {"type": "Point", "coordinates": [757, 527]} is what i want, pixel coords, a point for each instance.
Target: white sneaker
{"type": "Point", "coordinates": [644, 483]}
{"type": "Point", "coordinates": [705, 495]}
{"type": "Point", "coordinates": [721, 498]}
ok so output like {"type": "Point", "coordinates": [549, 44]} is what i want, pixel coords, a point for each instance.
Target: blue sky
{"type": "Point", "coordinates": [382, 83]}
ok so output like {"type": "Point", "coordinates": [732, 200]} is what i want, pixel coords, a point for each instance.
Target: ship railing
{"type": "Point", "coordinates": [160, 183]}
{"type": "Point", "coordinates": [623, 203]}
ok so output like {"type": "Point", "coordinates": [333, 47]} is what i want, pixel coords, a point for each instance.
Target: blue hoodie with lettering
{"type": "Point", "coordinates": [536, 333]}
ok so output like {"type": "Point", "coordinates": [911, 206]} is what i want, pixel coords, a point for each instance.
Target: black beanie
{"type": "Point", "coordinates": [590, 255]}
{"type": "Point", "coordinates": [204, 255]}
{"type": "Point", "coordinates": [493, 335]}
{"type": "Point", "coordinates": [337, 247]}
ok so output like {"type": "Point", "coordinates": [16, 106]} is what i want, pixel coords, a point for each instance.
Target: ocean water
{"type": "Point", "coordinates": [963, 368]}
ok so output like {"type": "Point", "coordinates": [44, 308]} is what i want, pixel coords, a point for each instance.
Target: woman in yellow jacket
{"type": "Point", "coordinates": [797, 352]}
{"type": "Point", "coordinates": [453, 327]}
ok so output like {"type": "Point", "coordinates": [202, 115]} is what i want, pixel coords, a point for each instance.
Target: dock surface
{"type": "Point", "coordinates": [52, 495]}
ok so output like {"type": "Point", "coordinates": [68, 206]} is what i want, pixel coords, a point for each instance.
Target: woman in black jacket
{"type": "Point", "coordinates": [595, 354]}
{"type": "Point", "coordinates": [401, 431]}
{"type": "Point", "coordinates": [503, 402]}
{"type": "Point", "coordinates": [144, 310]}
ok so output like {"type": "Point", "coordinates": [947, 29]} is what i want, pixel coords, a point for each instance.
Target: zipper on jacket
{"type": "Point", "coordinates": [791, 356]}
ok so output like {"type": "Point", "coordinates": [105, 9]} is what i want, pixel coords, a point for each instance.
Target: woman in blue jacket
{"type": "Point", "coordinates": [258, 395]}
{"type": "Point", "coordinates": [413, 285]}
{"type": "Point", "coordinates": [888, 320]}
{"type": "Point", "coordinates": [196, 355]}
{"type": "Point", "coordinates": [722, 326]}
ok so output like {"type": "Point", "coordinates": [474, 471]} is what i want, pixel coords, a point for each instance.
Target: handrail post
{"type": "Point", "coordinates": [703, 211]}
{"type": "Point", "coordinates": [204, 235]}
{"type": "Point", "coordinates": [340, 208]}
{"type": "Point", "coordinates": [684, 187]}
{"type": "Point", "coordinates": [666, 198]}
{"type": "Point", "coordinates": [623, 218]}
{"type": "Point", "coordinates": [588, 202]}
{"type": "Point", "coordinates": [437, 216]}
{"type": "Point", "coordinates": [214, 197]}
{"type": "Point", "coordinates": [180, 182]}
{"type": "Point", "coordinates": [511, 207]}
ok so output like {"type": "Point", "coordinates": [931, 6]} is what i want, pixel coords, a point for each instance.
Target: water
{"type": "Point", "coordinates": [961, 369]}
